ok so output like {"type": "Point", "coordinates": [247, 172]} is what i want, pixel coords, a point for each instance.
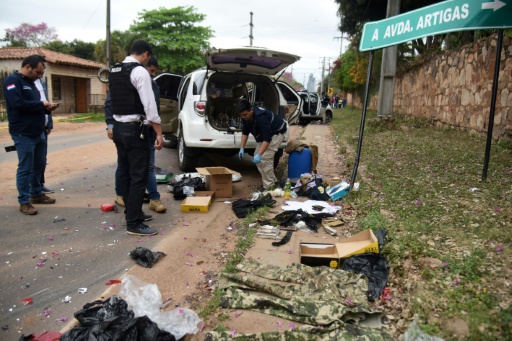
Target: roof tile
{"type": "Point", "coordinates": [51, 56]}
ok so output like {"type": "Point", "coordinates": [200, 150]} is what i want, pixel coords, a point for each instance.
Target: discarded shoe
{"type": "Point", "coordinates": [47, 190]}
{"type": "Point", "coordinates": [28, 209]}
{"type": "Point", "coordinates": [119, 200]}
{"type": "Point", "coordinates": [141, 230]}
{"type": "Point", "coordinates": [42, 199]}
{"type": "Point", "coordinates": [157, 206]}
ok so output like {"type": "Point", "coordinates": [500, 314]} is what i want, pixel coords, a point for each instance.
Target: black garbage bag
{"type": "Point", "coordinates": [110, 320]}
{"type": "Point", "coordinates": [196, 182]}
{"type": "Point", "coordinates": [146, 257]}
{"type": "Point", "coordinates": [243, 207]}
{"type": "Point", "coordinates": [374, 266]}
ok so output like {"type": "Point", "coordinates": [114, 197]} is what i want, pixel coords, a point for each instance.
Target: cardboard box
{"type": "Point", "coordinates": [319, 255]}
{"type": "Point", "coordinates": [334, 181]}
{"type": "Point", "coordinates": [338, 191]}
{"type": "Point", "coordinates": [219, 180]}
{"type": "Point", "coordinates": [199, 203]}
{"type": "Point", "coordinates": [333, 255]}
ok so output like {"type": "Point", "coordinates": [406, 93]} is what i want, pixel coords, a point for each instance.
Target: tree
{"type": "Point", "coordinates": [288, 78]}
{"type": "Point", "coordinates": [27, 35]}
{"type": "Point", "coordinates": [178, 41]}
{"type": "Point", "coordinates": [75, 48]}
{"type": "Point", "coordinates": [120, 44]}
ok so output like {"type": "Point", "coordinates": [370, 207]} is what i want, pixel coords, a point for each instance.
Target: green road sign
{"type": "Point", "coordinates": [447, 16]}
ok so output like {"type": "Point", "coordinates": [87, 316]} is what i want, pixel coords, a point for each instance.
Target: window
{"type": "Point", "coordinates": [56, 94]}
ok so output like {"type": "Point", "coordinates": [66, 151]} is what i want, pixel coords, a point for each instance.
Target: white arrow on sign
{"type": "Point", "coordinates": [495, 5]}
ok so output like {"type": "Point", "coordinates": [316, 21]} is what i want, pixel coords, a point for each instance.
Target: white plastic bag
{"type": "Point", "coordinates": [145, 299]}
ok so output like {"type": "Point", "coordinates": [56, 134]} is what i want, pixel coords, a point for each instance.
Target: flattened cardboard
{"type": "Point", "coordinates": [219, 180]}
{"type": "Point", "coordinates": [333, 255]}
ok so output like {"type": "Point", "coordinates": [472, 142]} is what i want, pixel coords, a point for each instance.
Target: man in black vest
{"type": "Point", "coordinates": [269, 131]}
{"type": "Point", "coordinates": [134, 107]}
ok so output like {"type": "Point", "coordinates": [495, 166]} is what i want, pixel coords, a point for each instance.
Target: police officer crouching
{"type": "Point", "coordinates": [269, 131]}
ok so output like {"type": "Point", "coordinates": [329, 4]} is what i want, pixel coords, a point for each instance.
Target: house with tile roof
{"type": "Point", "coordinates": [70, 80]}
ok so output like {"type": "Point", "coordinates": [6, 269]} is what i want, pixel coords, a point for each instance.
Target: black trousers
{"type": "Point", "coordinates": [133, 164]}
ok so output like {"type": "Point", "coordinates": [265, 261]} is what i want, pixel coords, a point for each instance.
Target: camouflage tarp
{"type": "Point", "coordinates": [331, 301]}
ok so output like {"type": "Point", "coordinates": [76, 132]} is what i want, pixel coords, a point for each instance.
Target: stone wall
{"type": "Point", "coordinates": [455, 88]}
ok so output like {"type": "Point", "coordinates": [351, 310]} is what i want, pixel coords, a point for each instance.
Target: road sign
{"type": "Point", "coordinates": [447, 16]}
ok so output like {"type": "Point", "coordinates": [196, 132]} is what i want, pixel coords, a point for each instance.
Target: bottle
{"type": "Point", "coordinates": [287, 188]}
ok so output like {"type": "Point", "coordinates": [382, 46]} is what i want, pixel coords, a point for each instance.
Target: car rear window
{"type": "Point", "coordinates": [268, 63]}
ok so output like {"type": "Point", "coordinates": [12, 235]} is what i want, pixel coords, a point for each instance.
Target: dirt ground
{"type": "Point", "coordinates": [199, 244]}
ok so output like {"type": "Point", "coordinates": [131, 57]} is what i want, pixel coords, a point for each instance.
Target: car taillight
{"type": "Point", "coordinates": [199, 108]}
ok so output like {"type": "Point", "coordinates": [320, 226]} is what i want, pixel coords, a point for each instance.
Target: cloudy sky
{"type": "Point", "coordinates": [303, 27]}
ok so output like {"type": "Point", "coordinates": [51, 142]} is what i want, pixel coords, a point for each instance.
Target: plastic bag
{"type": "Point", "coordinates": [145, 299]}
{"type": "Point", "coordinates": [196, 183]}
{"type": "Point", "coordinates": [111, 320]}
{"type": "Point", "coordinates": [146, 257]}
{"type": "Point", "coordinates": [414, 333]}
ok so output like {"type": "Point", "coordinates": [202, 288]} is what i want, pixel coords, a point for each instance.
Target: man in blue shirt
{"type": "Point", "coordinates": [269, 131]}
{"type": "Point", "coordinates": [26, 114]}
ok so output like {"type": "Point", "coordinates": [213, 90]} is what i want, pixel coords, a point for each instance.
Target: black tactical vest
{"type": "Point", "coordinates": [125, 97]}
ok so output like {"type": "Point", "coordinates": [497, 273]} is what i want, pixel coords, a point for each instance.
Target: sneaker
{"type": "Point", "coordinates": [141, 230]}
{"type": "Point", "coordinates": [147, 217]}
{"type": "Point", "coordinates": [157, 206]}
{"type": "Point", "coordinates": [119, 200]}
{"type": "Point", "coordinates": [42, 199]}
{"type": "Point", "coordinates": [47, 190]}
{"type": "Point", "coordinates": [28, 209]}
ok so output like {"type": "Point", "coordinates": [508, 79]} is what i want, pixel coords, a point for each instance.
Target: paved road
{"type": "Point", "coordinates": [46, 259]}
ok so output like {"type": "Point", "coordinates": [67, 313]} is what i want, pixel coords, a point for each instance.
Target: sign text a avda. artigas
{"type": "Point", "coordinates": [424, 21]}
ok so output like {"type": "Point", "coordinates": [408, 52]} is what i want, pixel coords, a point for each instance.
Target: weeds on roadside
{"type": "Point", "coordinates": [449, 234]}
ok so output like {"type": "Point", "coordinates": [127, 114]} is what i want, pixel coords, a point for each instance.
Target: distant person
{"type": "Point", "coordinates": [344, 102]}
{"type": "Point", "coordinates": [269, 131]}
{"type": "Point", "coordinates": [336, 102]}
{"type": "Point", "coordinates": [26, 114]}
{"type": "Point", "coordinates": [155, 203]}
{"type": "Point", "coordinates": [134, 108]}
{"type": "Point", "coordinates": [325, 100]}
{"type": "Point", "coordinates": [48, 126]}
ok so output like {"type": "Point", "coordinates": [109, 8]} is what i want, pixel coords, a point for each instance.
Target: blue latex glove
{"type": "Point", "coordinates": [241, 154]}
{"type": "Point", "coordinates": [256, 159]}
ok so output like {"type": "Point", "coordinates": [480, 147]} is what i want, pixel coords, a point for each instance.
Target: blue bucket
{"type": "Point", "coordinates": [299, 163]}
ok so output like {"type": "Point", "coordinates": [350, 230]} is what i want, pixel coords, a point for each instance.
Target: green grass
{"type": "Point", "coordinates": [430, 178]}
{"type": "Point", "coordinates": [85, 117]}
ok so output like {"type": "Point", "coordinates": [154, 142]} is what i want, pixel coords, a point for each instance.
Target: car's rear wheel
{"type": "Point", "coordinates": [328, 116]}
{"type": "Point", "coordinates": [277, 157]}
{"type": "Point", "coordinates": [170, 141]}
{"type": "Point", "coordinates": [187, 157]}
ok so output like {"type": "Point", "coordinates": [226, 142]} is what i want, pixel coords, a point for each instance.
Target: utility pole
{"type": "Point", "coordinates": [108, 35]}
{"type": "Point", "coordinates": [322, 80]}
{"type": "Point", "coordinates": [388, 69]}
{"type": "Point", "coordinates": [341, 41]}
{"type": "Point", "coordinates": [250, 34]}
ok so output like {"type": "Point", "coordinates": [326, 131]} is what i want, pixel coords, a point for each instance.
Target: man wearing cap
{"type": "Point", "coordinates": [268, 130]}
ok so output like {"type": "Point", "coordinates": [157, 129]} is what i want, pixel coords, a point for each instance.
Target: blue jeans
{"type": "Point", "coordinates": [31, 163]}
{"type": "Point", "coordinates": [151, 186]}
{"type": "Point", "coordinates": [133, 164]}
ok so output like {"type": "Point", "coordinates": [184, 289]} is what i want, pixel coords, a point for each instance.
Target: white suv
{"type": "Point", "coordinates": [200, 113]}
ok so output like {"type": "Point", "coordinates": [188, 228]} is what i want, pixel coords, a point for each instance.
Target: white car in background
{"type": "Point", "coordinates": [198, 109]}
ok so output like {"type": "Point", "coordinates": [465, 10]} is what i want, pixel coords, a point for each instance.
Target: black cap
{"type": "Point", "coordinates": [242, 105]}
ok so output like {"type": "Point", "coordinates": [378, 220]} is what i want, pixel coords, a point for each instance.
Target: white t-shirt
{"type": "Point", "coordinates": [39, 87]}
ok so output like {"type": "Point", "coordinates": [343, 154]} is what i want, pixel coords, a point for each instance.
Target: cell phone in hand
{"type": "Point", "coordinates": [10, 149]}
